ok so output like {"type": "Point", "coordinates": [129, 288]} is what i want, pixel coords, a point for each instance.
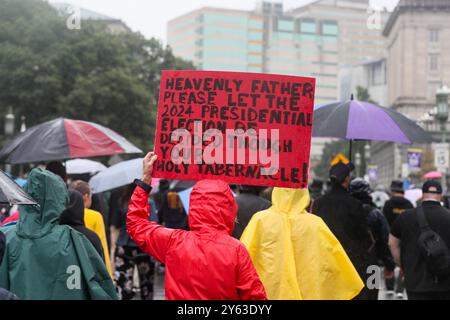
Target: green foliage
{"type": "Point", "coordinates": [332, 149]}
{"type": "Point", "coordinates": [362, 94]}
{"type": "Point", "coordinates": [49, 71]}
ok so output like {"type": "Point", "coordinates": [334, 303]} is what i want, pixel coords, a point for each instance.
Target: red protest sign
{"type": "Point", "coordinates": [244, 128]}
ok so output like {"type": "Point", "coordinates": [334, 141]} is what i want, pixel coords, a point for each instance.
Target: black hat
{"type": "Point", "coordinates": [340, 171]}
{"type": "Point", "coordinates": [57, 168]}
{"type": "Point", "coordinates": [359, 185]}
{"type": "Point", "coordinates": [397, 186]}
{"type": "Point", "coordinates": [432, 186]}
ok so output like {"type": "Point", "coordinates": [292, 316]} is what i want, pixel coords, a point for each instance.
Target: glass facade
{"type": "Point", "coordinates": [231, 42]}
{"type": "Point", "coordinates": [255, 42]}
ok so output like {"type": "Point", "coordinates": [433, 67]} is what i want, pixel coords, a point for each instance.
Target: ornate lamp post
{"type": "Point", "coordinates": [442, 116]}
{"type": "Point", "coordinates": [367, 153]}
{"type": "Point", "coordinates": [9, 130]}
{"type": "Point", "coordinates": [9, 123]}
{"type": "Point", "coordinates": [358, 164]}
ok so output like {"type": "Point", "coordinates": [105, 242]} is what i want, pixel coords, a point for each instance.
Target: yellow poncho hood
{"type": "Point", "coordinates": [295, 253]}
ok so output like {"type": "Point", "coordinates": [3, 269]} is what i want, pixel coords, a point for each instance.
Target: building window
{"type": "Point", "coordinates": [434, 35]}
{"type": "Point", "coordinates": [285, 25]}
{"type": "Point", "coordinates": [201, 18]}
{"type": "Point", "coordinates": [329, 28]}
{"type": "Point", "coordinates": [434, 62]}
{"type": "Point", "coordinates": [199, 54]}
{"type": "Point", "coordinates": [307, 26]}
{"type": "Point", "coordinates": [377, 74]}
{"type": "Point", "coordinates": [199, 30]}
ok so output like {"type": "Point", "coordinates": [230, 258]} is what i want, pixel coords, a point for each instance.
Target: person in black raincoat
{"type": "Point", "coordinates": [74, 216]}
{"type": "Point", "coordinates": [397, 204]}
{"type": "Point", "coordinates": [346, 218]}
{"type": "Point", "coordinates": [379, 228]}
{"type": "Point", "coordinates": [249, 202]}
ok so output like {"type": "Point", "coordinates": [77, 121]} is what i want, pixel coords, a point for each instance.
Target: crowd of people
{"type": "Point", "coordinates": [234, 242]}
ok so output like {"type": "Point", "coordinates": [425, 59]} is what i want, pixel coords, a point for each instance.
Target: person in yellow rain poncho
{"type": "Point", "coordinates": [296, 255]}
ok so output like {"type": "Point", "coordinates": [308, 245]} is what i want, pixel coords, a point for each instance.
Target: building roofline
{"type": "Point", "coordinates": [367, 62]}
{"type": "Point", "coordinates": [319, 2]}
{"type": "Point", "coordinates": [414, 5]}
{"type": "Point", "coordinates": [205, 8]}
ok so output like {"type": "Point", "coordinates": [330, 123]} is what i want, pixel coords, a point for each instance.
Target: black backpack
{"type": "Point", "coordinates": [433, 248]}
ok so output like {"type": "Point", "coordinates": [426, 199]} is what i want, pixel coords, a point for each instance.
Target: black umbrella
{"type": "Point", "coordinates": [11, 193]}
{"type": "Point", "coordinates": [62, 139]}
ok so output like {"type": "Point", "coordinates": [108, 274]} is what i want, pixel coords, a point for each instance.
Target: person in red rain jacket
{"type": "Point", "coordinates": [205, 263]}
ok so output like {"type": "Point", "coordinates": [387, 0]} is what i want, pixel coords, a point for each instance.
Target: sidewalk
{"type": "Point", "coordinates": [159, 284]}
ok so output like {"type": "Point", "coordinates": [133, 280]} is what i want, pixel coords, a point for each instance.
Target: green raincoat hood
{"type": "Point", "coordinates": [50, 192]}
{"type": "Point", "coordinates": [45, 260]}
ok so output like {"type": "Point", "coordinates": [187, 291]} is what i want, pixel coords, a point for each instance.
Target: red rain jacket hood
{"type": "Point", "coordinates": [212, 207]}
{"type": "Point", "coordinates": [205, 263]}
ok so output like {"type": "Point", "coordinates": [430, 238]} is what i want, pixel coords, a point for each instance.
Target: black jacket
{"type": "Point", "coordinates": [74, 216]}
{"type": "Point", "coordinates": [248, 205]}
{"type": "Point", "coordinates": [394, 207]}
{"type": "Point", "coordinates": [346, 218]}
{"type": "Point", "coordinates": [379, 228]}
{"type": "Point", "coordinates": [406, 228]}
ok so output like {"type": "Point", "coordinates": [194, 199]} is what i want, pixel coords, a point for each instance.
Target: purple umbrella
{"type": "Point", "coordinates": [357, 120]}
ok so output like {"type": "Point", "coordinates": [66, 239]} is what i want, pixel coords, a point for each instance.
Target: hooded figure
{"type": "Point", "coordinates": [74, 216]}
{"type": "Point", "coordinates": [206, 262]}
{"type": "Point", "coordinates": [45, 260]}
{"type": "Point", "coordinates": [296, 255]}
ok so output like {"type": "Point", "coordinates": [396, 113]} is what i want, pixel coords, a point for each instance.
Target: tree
{"type": "Point", "coordinates": [332, 149]}
{"type": "Point", "coordinates": [49, 71]}
{"type": "Point", "coordinates": [362, 94]}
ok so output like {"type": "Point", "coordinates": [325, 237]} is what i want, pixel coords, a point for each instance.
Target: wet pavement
{"type": "Point", "coordinates": [160, 295]}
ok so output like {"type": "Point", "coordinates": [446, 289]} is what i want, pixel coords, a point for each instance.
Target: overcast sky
{"type": "Point", "coordinates": [150, 16]}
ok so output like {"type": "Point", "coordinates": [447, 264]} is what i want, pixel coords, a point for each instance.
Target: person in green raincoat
{"type": "Point", "coordinates": [47, 261]}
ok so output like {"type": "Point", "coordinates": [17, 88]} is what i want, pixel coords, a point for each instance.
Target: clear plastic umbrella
{"type": "Point", "coordinates": [118, 175]}
{"type": "Point", "coordinates": [11, 193]}
{"type": "Point", "coordinates": [80, 166]}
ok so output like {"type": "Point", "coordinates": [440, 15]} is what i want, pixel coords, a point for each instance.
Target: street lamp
{"type": "Point", "coordinates": [366, 157]}
{"type": "Point", "coordinates": [358, 163]}
{"type": "Point", "coordinates": [442, 108]}
{"type": "Point", "coordinates": [23, 126]}
{"type": "Point", "coordinates": [367, 152]}
{"type": "Point", "coordinates": [442, 115]}
{"type": "Point", "coordinates": [9, 131]}
{"type": "Point", "coordinates": [9, 123]}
